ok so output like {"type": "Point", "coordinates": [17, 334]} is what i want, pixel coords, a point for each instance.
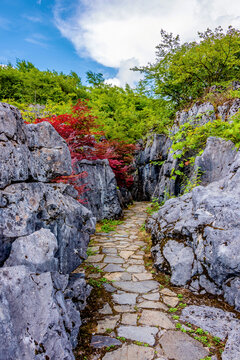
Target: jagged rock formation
{"type": "Point", "coordinates": [148, 165]}
{"type": "Point", "coordinates": [196, 236]}
{"type": "Point", "coordinates": [156, 161]}
{"type": "Point", "coordinates": [101, 195]}
{"type": "Point", "coordinates": [32, 206]}
{"type": "Point", "coordinates": [218, 323]}
{"type": "Point", "coordinates": [44, 231]}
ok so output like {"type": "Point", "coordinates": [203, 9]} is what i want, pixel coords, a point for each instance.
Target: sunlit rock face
{"type": "Point", "coordinates": [101, 191]}
{"type": "Point", "coordinates": [156, 162]}
{"type": "Point", "coordinates": [196, 236]}
{"type": "Point", "coordinates": [44, 234]}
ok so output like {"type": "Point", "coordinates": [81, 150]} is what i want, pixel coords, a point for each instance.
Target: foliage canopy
{"type": "Point", "coordinates": [182, 72]}
{"type": "Point", "coordinates": [25, 83]}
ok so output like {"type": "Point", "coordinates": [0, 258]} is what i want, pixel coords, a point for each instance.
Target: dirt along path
{"type": "Point", "coordinates": [130, 315]}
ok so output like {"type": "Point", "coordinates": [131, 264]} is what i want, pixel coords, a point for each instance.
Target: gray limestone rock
{"type": "Point", "coordinates": [101, 195]}
{"type": "Point", "coordinates": [206, 222]}
{"type": "Point", "coordinates": [179, 346]}
{"type": "Point", "coordinates": [43, 230]}
{"type": "Point", "coordinates": [34, 151]}
{"type": "Point", "coordinates": [215, 161]}
{"type": "Point", "coordinates": [232, 292]}
{"type": "Point", "coordinates": [77, 290]}
{"type": "Point", "coordinates": [36, 322]}
{"type": "Point", "coordinates": [155, 162]}
{"type": "Point", "coordinates": [49, 153]}
{"type": "Point", "coordinates": [148, 164]}
{"type": "Point", "coordinates": [33, 206]}
{"type": "Point", "coordinates": [35, 251]}
{"type": "Point", "coordinates": [14, 151]}
{"type": "Point", "coordinates": [217, 322]}
{"type": "Point", "coordinates": [180, 259]}
{"type": "Point", "coordinates": [228, 109]}
{"type": "Point", "coordinates": [144, 334]}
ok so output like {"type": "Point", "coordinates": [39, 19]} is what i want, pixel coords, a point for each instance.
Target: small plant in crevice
{"type": "Point", "coordinates": [121, 338]}
{"type": "Point", "coordinates": [91, 252]}
{"type": "Point", "coordinates": [108, 330]}
{"type": "Point", "coordinates": [98, 282]}
{"type": "Point", "coordinates": [204, 337]}
{"type": "Point", "coordinates": [108, 348]}
{"type": "Point", "coordinates": [92, 269]}
{"type": "Point", "coordinates": [140, 343]}
{"type": "Point", "coordinates": [108, 225]}
{"type": "Point", "coordinates": [143, 227]}
{"type": "Point", "coordinates": [172, 310]}
{"type": "Point", "coordinates": [154, 206]}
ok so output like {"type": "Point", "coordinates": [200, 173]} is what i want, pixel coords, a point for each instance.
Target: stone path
{"type": "Point", "coordinates": [135, 323]}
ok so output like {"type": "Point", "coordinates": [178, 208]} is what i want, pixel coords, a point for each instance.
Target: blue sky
{"type": "Point", "coordinates": [108, 36]}
{"type": "Point", "coordinates": [28, 31]}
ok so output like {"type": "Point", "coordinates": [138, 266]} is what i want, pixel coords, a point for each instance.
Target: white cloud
{"type": "Point", "coordinates": [37, 39]}
{"type": "Point", "coordinates": [35, 19]}
{"type": "Point", "coordinates": [119, 33]}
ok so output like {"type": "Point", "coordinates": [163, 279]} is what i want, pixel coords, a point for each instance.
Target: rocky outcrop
{"type": "Point", "coordinates": [38, 321]}
{"type": "Point", "coordinates": [44, 234]}
{"type": "Point", "coordinates": [125, 197]}
{"type": "Point", "coordinates": [28, 207]}
{"type": "Point", "coordinates": [101, 195]}
{"type": "Point", "coordinates": [156, 162]}
{"type": "Point", "coordinates": [196, 236]}
{"type": "Point", "coordinates": [33, 152]}
{"type": "Point", "coordinates": [219, 323]}
{"type": "Point", "coordinates": [228, 109]}
{"type": "Point", "coordinates": [148, 163]}
{"type": "Point", "coordinates": [216, 160]}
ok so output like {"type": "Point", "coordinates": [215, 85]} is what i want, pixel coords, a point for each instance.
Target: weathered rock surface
{"type": "Point", "coordinates": [43, 231]}
{"type": "Point", "coordinates": [77, 290]}
{"type": "Point", "coordinates": [216, 160]}
{"type": "Point", "coordinates": [102, 193]}
{"type": "Point", "coordinates": [29, 207]}
{"type": "Point", "coordinates": [228, 109]}
{"type": "Point", "coordinates": [148, 165]}
{"type": "Point", "coordinates": [35, 321]}
{"type": "Point", "coordinates": [198, 114]}
{"type": "Point", "coordinates": [179, 346]}
{"type": "Point", "coordinates": [49, 154]}
{"type": "Point", "coordinates": [218, 323]}
{"type": "Point", "coordinates": [131, 352]}
{"type": "Point", "coordinates": [205, 224]}
{"type": "Point", "coordinates": [35, 251]}
{"type": "Point", "coordinates": [125, 197]}
{"type": "Point", "coordinates": [29, 151]}
{"type": "Point", "coordinates": [155, 162]}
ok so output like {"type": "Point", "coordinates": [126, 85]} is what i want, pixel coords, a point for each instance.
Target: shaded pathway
{"type": "Point", "coordinates": [134, 322]}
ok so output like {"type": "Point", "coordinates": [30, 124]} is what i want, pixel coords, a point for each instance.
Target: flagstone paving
{"type": "Point", "coordinates": [135, 324]}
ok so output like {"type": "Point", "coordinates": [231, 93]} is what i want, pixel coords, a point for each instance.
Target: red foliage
{"type": "Point", "coordinates": [76, 129]}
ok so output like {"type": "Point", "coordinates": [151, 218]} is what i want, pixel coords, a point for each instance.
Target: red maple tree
{"type": "Point", "coordinates": [79, 131]}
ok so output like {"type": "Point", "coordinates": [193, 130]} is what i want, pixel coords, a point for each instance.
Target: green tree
{"type": "Point", "coordinates": [182, 72]}
{"type": "Point", "coordinates": [95, 79]}
{"type": "Point", "coordinates": [25, 83]}
{"type": "Point", "coordinates": [128, 114]}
